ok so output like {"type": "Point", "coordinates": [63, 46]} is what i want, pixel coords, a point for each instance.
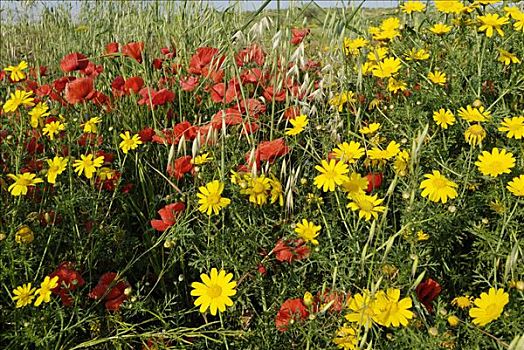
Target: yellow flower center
{"type": "Point", "coordinates": [366, 205]}
{"type": "Point", "coordinates": [439, 183]}
{"type": "Point", "coordinates": [214, 291]}
{"type": "Point", "coordinates": [213, 199]}
{"type": "Point", "coordinates": [24, 182]}
{"type": "Point", "coordinates": [259, 187]}
{"type": "Point", "coordinates": [492, 309]}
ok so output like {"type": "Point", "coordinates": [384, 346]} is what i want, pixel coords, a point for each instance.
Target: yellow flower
{"type": "Point", "coordinates": [87, 165]}
{"type": "Point", "coordinates": [346, 338]}
{"type": "Point", "coordinates": [495, 163]}
{"type": "Point", "coordinates": [18, 98]}
{"type": "Point", "coordinates": [453, 321]}
{"type": "Point", "coordinates": [308, 231]}
{"type": "Point", "coordinates": [56, 167]}
{"type": "Point", "coordinates": [22, 182]}
{"type": "Point", "coordinates": [331, 174]}
{"type": "Point", "coordinates": [348, 152]}
{"type": "Point", "coordinates": [129, 143]}
{"type": "Point", "coordinates": [449, 6]}
{"type": "Point", "coordinates": [308, 299]}
{"type": "Point", "coordinates": [387, 67]}
{"type": "Point", "coordinates": [516, 186]}
{"type": "Point", "coordinates": [401, 163]}
{"type": "Point", "coordinates": [353, 46]}
{"type": "Point", "coordinates": [417, 55]}
{"type": "Point", "coordinates": [437, 77]}
{"type": "Point", "coordinates": [215, 291]}
{"type": "Point", "coordinates": [258, 189]}
{"type": "Point", "coordinates": [37, 113]}
{"type": "Point", "coordinates": [201, 159]}
{"type": "Point", "coordinates": [395, 85]}
{"type": "Point", "coordinates": [299, 123]}
{"type": "Point", "coordinates": [341, 99]}
{"type": "Point", "coordinates": [277, 194]}
{"type": "Point", "coordinates": [491, 22]}
{"type": "Point", "coordinates": [444, 118]}
{"type": "Point", "coordinates": [367, 68]}
{"type": "Point", "coordinates": [489, 306]}
{"type": "Point", "coordinates": [377, 54]}
{"type": "Point", "coordinates": [390, 23]}
{"type": "Point", "coordinates": [24, 235]}
{"type": "Point", "coordinates": [391, 151]}
{"type": "Point", "coordinates": [367, 206]}
{"type": "Point", "coordinates": [52, 129]}
{"type": "Point", "coordinates": [440, 29]}
{"type": "Point", "coordinates": [391, 310]}
{"type": "Point", "coordinates": [370, 129]}
{"type": "Point", "coordinates": [413, 6]}
{"type": "Point", "coordinates": [355, 185]}
{"type": "Point", "coordinates": [17, 73]}
{"type": "Point", "coordinates": [463, 301]}
{"type": "Point", "coordinates": [473, 114]}
{"type": "Point", "coordinates": [513, 12]}
{"type": "Point", "coordinates": [422, 236]}
{"type": "Point", "coordinates": [519, 22]}
{"type": "Point", "coordinates": [91, 125]}
{"type": "Point", "coordinates": [514, 127]}
{"type": "Point", "coordinates": [44, 292]}
{"type": "Point", "coordinates": [507, 57]}
{"type": "Point", "coordinates": [211, 200]}
{"type": "Point", "coordinates": [24, 295]}
{"type": "Point", "coordinates": [475, 134]}
{"type": "Point", "coordinates": [438, 188]}
{"type": "Point", "coordinates": [363, 309]}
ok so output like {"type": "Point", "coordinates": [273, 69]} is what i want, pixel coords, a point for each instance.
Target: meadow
{"type": "Point", "coordinates": [175, 176]}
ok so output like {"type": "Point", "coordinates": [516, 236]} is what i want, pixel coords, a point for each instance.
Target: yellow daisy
{"type": "Point", "coordinates": [495, 163]}
{"type": "Point", "coordinates": [331, 174]}
{"type": "Point", "coordinates": [437, 188]}
{"type": "Point", "coordinates": [367, 206]}
{"type": "Point", "coordinates": [210, 198]}
{"type": "Point", "coordinates": [516, 186]}
{"type": "Point", "coordinates": [489, 306]}
{"type": "Point", "coordinates": [215, 291]}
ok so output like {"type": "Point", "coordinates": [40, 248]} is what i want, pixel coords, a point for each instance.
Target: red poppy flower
{"type": "Point", "coordinates": [291, 250]}
{"type": "Point", "coordinates": [69, 279]}
{"type": "Point", "coordinates": [291, 309]}
{"type": "Point", "coordinates": [203, 58]}
{"type": "Point", "coordinates": [427, 291]}
{"type": "Point", "coordinates": [252, 76]}
{"type": "Point", "coordinates": [254, 53]}
{"type": "Point", "coordinates": [117, 86]}
{"type": "Point", "coordinates": [92, 70]}
{"type": "Point", "coordinates": [60, 83]}
{"type": "Point", "coordinates": [112, 48]}
{"type": "Point", "coordinates": [189, 83]}
{"type": "Point", "coordinates": [168, 216]}
{"type": "Point", "coordinates": [78, 90]}
{"type": "Point", "coordinates": [374, 181]}
{"type": "Point", "coordinates": [146, 134]}
{"type": "Point", "coordinates": [268, 151]}
{"type": "Point", "coordinates": [297, 35]}
{"type": "Point", "coordinates": [180, 167]}
{"type": "Point", "coordinates": [162, 97]}
{"type": "Point", "coordinates": [113, 295]}
{"type": "Point", "coordinates": [173, 136]}
{"type": "Point", "coordinates": [89, 139]}
{"type": "Point", "coordinates": [73, 61]}
{"type": "Point", "coordinates": [229, 116]}
{"type": "Point", "coordinates": [133, 84]}
{"type": "Point", "coordinates": [270, 94]}
{"type": "Point", "coordinates": [134, 50]}
{"type": "Point", "coordinates": [218, 92]}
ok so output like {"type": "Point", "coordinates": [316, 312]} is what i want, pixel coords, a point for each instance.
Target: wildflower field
{"type": "Point", "coordinates": [174, 176]}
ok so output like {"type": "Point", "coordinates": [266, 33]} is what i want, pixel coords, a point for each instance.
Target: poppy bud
{"type": "Point", "coordinates": [374, 181]}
